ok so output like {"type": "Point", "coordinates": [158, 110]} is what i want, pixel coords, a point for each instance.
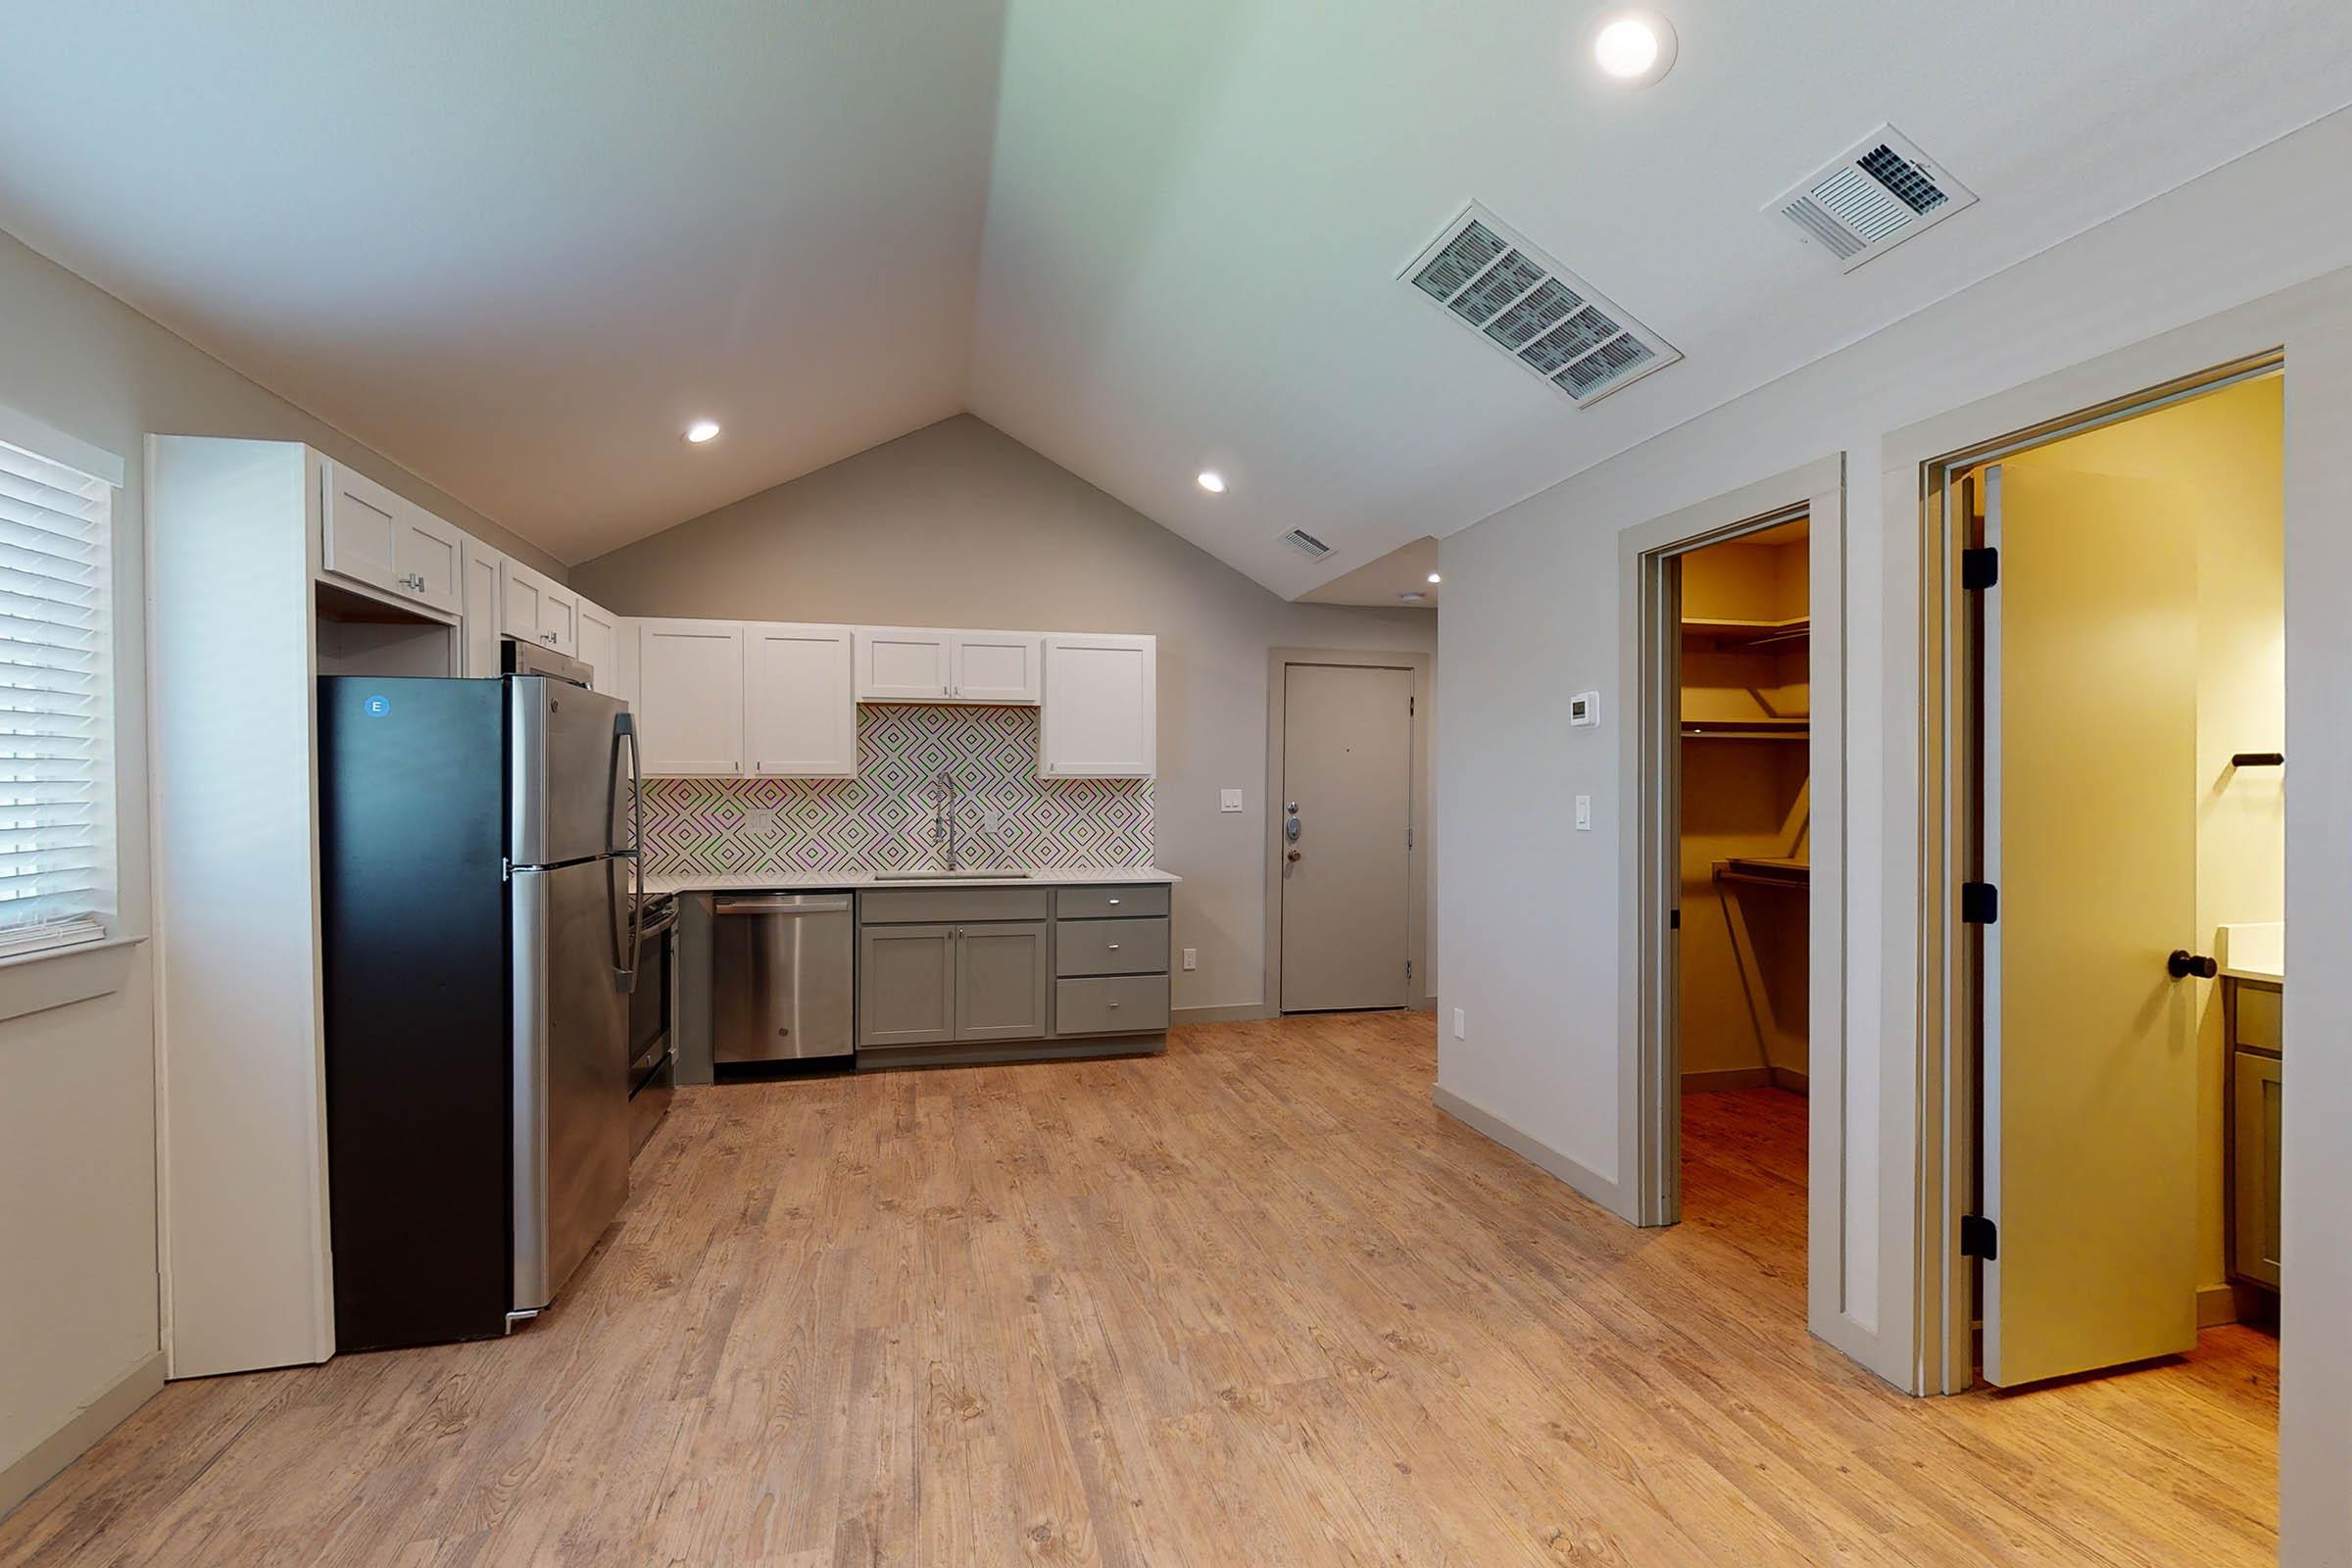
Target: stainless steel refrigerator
{"type": "Point", "coordinates": [478, 848]}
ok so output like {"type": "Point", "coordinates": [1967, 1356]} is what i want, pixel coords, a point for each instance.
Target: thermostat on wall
{"type": "Point", "coordinates": [1583, 710]}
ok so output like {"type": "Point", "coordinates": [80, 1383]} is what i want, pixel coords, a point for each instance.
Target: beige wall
{"type": "Point", "coordinates": [77, 1231]}
{"type": "Point", "coordinates": [959, 524]}
{"type": "Point", "coordinates": [2217, 470]}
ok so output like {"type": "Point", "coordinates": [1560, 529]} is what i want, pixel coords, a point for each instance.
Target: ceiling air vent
{"type": "Point", "coordinates": [1879, 194]}
{"type": "Point", "coordinates": [1559, 327]}
{"type": "Point", "coordinates": [1307, 544]}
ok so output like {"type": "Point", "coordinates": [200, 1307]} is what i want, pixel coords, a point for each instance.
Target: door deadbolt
{"type": "Point", "coordinates": [1289, 830]}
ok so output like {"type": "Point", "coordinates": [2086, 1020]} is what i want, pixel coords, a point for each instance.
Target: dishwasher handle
{"type": "Point", "coordinates": [781, 905]}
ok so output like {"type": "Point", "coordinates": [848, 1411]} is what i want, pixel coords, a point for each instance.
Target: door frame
{"type": "Point", "coordinates": [1420, 996]}
{"type": "Point", "coordinates": [1949, 848]}
{"type": "Point", "coordinates": [1649, 884]}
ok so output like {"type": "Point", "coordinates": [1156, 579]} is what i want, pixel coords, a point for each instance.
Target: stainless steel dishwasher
{"type": "Point", "coordinates": [782, 967]}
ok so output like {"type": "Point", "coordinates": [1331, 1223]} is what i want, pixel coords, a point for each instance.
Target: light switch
{"type": "Point", "coordinates": [1192, 957]}
{"type": "Point", "coordinates": [1462, 1026]}
{"type": "Point", "coordinates": [1584, 813]}
{"type": "Point", "coordinates": [1228, 799]}
{"type": "Point", "coordinates": [759, 823]}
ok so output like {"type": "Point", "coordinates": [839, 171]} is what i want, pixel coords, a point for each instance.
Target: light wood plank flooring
{"type": "Point", "coordinates": [1252, 1303]}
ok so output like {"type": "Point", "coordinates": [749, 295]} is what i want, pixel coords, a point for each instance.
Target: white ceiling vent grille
{"type": "Point", "coordinates": [1559, 327]}
{"type": "Point", "coordinates": [1878, 194]}
{"type": "Point", "coordinates": [1307, 544]}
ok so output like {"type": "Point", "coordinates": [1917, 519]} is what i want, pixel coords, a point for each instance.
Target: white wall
{"type": "Point", "coordinates": [1527, 922]}
{"type": "Point", "coordinates": [77, 1228]}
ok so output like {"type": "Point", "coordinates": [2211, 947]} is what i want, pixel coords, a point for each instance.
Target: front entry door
{"type": "Point", "coordinates": [2090, 1044]}
{"type": "Point", "coordinates": [1348, 771]}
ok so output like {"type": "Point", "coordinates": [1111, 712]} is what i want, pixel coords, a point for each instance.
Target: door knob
{"type": "Point", "coordinates": [2183, 963]}
{"type": "Point", "coordinates": [1293, 855]}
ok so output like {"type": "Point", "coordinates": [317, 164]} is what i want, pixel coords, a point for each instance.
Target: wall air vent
{"type": "Point", "coordinates": [1878, 194]}
{"type": "Point", "coordinates": [1559, 328]}
{"type": "Point", "coordinates": [1307, 544]}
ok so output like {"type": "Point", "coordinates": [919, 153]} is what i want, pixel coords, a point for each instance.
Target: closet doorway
{"type": "Point", "coordinates": [1744, 818]}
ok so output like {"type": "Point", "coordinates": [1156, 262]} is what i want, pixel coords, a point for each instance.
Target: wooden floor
{"type": "Point", "coordinates": [1252, 1303]}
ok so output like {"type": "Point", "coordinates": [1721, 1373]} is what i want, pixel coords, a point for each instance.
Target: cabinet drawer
{"type": "Point", "coordinates": [1105, 904]}
{"type": "Point", "coordinates": [1111, 1004]}
{"type": "Point", "coordinates": [2258, 1014]}
{"type": "Point", "coordinates": [1110, 947]}
{"type": "Point", "coordinates": [895, 905]}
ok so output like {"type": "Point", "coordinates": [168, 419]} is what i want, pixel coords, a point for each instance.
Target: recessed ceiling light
{"type": "Point", "coordinates": [1212, 481]}
{"type": "Point", "coordinates": [702, 430]}
{"type": "Point", "coordinates": [1633, 48]}
{"type": "Point", "coordinates": [1433, 578]}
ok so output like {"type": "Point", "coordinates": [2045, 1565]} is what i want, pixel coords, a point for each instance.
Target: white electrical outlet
{"type": "Point", "coordinates": [1228, 799]}
{"type": "Point", "coordinates": [1462, 1026]}
{"type": "Point", "coordinates": [759, 823]}
{"type": "Point", "coordinates": [1584, 813]}
{"type": "Point", "coordinates": [1192, 957]}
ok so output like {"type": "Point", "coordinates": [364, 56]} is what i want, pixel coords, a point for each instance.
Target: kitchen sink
{"type": "Point", "coordinates": [950, 876]}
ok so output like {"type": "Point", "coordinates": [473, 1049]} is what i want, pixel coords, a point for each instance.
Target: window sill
{"type": "Point", "coordinates": [58, 977]}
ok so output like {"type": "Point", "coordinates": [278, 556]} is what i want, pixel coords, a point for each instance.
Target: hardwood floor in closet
{"type": "Point", "coordinates": [1252, 1303]}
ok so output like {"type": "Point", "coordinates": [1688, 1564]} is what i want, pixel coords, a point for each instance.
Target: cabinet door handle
{"type": "Point", "coordinates": [1114, 947]}
{"type": "Point", "coordinates": [1115, 1006]}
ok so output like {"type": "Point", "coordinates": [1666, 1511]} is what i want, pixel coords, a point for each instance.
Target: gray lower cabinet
{"type": "Point", "coordinates": [1000, 975]}
{"type": "Point", "coordinates": [1111, 1004]}
{"type": "Point", "coordinates": [905, 985]}
{"type": "Point", "coordinates": [1077, 971]}
{"type": "Point", "coordinates": [2257, 1090]}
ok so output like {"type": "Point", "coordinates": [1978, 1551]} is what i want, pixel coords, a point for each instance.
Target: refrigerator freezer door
{"type": "Point", "coordinates": [570, 790]}
{"type": "Point", "coordinates": [571, 1084]}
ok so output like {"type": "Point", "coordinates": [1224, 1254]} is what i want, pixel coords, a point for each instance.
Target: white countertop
{"type": "Point", "coordinates": [659, 883]}
{"type": "Point", "coordinates": [2254, 952]}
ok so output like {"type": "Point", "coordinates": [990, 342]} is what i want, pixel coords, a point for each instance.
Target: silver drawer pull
{"type": "Point", "coordinates": [1114, 947]}
{"type": "Point", "coordinates": [1114, 901]}
{"type": "Point", "coordinates": [1114, 1004]}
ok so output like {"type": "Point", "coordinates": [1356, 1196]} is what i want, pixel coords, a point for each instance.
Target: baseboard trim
{"type": "Point", "coordinates": [1575, 1173]}
{"type": "Point", "coordinates": [1247, 1012]}
{"type": "Point", "coordinates": [1719, 1080]}
{"type": "Point", "coordinates": [1715, 1080]}
{"type": "Point", "coordinates": [2219, 1304]}
{"type": "Point", "coordinates": [41, 1463]}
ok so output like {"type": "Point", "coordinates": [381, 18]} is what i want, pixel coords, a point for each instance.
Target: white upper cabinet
{"type": "Point", "coordinates": [478, 633]}
{"type": "Point", "coordinates": [799, 702]}
{"type": "Point", "coordinates": [536, 608]}
{"type": "Point", "coordinates": [690, 703]}
{"type": "Point", "coordinates": [599, 645]}
{"type": "Point", "coordinates": [903, 665]}
{"type": "Point", "coordinates": [995, 667]}
{"type": "Point", "coordinates": [372, 536]}
{"type": "Point", "coordinates": [1100, 717]}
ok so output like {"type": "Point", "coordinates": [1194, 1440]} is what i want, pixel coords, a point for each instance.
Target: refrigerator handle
{"type": "Point", "coordinates": [627, 952]}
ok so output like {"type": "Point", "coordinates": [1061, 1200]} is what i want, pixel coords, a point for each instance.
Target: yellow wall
{"type": "Point", "coordinates": [1743, 797]}
{"type": "Point", "coordinates": [2220, 460]}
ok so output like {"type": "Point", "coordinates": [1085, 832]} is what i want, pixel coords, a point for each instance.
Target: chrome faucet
{"type": "Point", "coordinates": [946, 801]}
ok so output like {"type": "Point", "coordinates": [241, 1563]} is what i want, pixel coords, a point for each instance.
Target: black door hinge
{"type": "Point", "coordinates": [1979, 569]}
{"type": "Point", "coordinates": [1674, 919]}
{"type": "Point", "coordinates": [1980, 1238]}
{"type": "Point", "coordinates": [1980, 903]}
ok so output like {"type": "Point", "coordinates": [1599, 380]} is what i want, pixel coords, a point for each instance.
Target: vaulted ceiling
{"type": "Point", "coordinates": [517, 247]}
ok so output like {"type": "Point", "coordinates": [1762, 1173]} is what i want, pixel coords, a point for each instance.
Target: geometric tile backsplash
{"type": "Point", "coordinates": [882, 820]}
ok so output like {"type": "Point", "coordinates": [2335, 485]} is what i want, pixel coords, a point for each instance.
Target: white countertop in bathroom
{"type": "Point", "coordinates": [659, 883]}
{"type": "Point", "coordinates": [2254, 952]}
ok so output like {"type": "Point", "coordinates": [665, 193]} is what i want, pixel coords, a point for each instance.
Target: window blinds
{"type": "Point", "coordinates": [56, 736]}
